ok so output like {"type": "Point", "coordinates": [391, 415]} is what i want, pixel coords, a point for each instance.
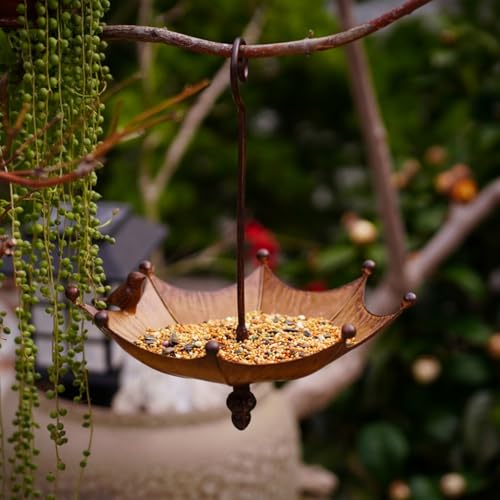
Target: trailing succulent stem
{"type": "Point", "coordinates": [54, 106]}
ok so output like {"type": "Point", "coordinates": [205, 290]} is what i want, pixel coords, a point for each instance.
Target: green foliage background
{"type": "Point", "coordinates": [438, 80]}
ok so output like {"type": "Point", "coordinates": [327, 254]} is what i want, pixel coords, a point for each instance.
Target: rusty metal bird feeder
{"type": "Point", "coordinates": [144, 302]}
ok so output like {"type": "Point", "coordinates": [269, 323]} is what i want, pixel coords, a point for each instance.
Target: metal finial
{"type": "Point", "coordinates": [212, 347]}
{"type": "Point", "coordinates": [145, 267]}
{"type": "Point", "coordinates": [368, 267]}
{"type": "Point", "coordinates": [101, 319]}
{"type": "Point", "coordinates": [409, 300]}
{"type": "Point", "coordinates": [128, 295]}
{"type": "Point", "coordinates": [241, 402]}
{"type": "Point", "coordinates": [262, 255]}
{"type": "Point", "coordinates": [72, 293]}
{"type": "Point", "coordinates": [348, 331]}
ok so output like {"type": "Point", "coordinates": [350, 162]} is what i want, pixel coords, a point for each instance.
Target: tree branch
{"type": "Point", "coordinates": [311, 394]}
{"type": "Point", "coordinates": [379, 156]}
{"type": "Point", "coordinates": [314, 392]}
{"type": "Point", "coordinates": [83, 169]}
{"type": "Point", "coordinates": [462, 220]}
{"type": "Point", "coordinates": [305, 47]}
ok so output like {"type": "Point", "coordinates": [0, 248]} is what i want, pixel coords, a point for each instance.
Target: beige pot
{"type": "Point", "coordinates": [198, 457]}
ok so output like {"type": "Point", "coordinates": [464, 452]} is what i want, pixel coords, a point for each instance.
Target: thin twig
{"type": "Point", "coordinates": [200, 260]}
{"type": "Point", "coordinates": [30, 141]}
{"type": "Point", "coordinates": [188, 91]}
{"type": "Point", "coordinates": [305, 47]}
{"type": "Point", "coordinates": [38, 178]}
{"type": "Point", "coordinates": [115, 89]}
{"type": "Point", "coordinates": [379, 157]}
{"type": "Point", "coordinates": [82, 170]}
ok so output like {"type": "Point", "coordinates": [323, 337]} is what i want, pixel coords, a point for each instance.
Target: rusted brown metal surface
{"type": "Point", "coordinates": [156, 304]}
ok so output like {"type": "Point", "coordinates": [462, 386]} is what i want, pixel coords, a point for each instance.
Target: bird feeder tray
{"type": "Point", "coordinates": [145, 302]}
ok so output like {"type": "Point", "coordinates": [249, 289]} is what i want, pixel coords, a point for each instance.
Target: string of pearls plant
{"type": "Point", "coordinates": [54, 100]}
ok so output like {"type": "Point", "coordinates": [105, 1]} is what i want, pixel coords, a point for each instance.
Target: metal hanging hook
{"type": "Point", "coordinates": [238, 70]}
{"type": "Point", "coordinates": [239, 73]}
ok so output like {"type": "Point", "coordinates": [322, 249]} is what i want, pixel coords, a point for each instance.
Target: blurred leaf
{"type": "Point", "coordinates": [466, 279]}
{"type": "Point", "coordinates": [378, 253]}
{"type": "Point", "coordinates": [430, 219]}
{"type": "Point", "coordinates": [423, 488]}
{"type": "Point", "coordinates": [489, 136]}
{"type": "Point", "coordinates": [471, 329]}
{"type": "Point", "coordinates": [442, 426]}
{"type": "Point", "coordinates": [467, 369]}
{"type": "Point", "coordinates": [443, 58]}
{"type": "Point", "coordinates": [481, 439]}
{"type": "Point", "coordinates": [475, 482]}
{"type": "Point", "coordinates": [488, 41]}
{"type": "Point", "coordinates": [383, 448]}
{"type": "Point", "coordinates": [335, 257]}
{"type": "Point", "coordinates": [495, 413]}
{"type": "Point", "coordinates": [6, 55]}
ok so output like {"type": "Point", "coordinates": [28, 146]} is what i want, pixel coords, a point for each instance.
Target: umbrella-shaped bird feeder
{"type": "Point", "coordinates": [145, 303]}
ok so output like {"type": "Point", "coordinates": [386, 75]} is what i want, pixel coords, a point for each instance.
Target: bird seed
{"type": "Point", "coordinates": [272, 338]}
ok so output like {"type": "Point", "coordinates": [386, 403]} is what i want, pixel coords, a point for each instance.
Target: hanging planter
{"type": "Point", "coordinates": [51, 121]}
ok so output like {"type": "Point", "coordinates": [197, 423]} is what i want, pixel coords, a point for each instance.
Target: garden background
{"type": "Point", "coordinates": [437, 77]}
{"type": "Point", "coordinates": [427, 403]}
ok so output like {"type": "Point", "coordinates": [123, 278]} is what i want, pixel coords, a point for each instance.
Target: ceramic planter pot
{"type": "Point", "coordinates": [178, 457]}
